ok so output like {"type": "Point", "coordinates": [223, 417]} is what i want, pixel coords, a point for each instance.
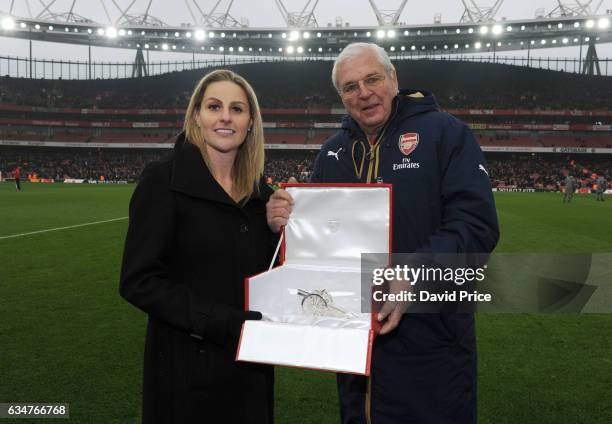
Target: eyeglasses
{"type": "Point", "coordinates": [353, 88]}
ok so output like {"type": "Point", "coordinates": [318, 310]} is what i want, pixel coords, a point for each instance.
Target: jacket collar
{"type": "Point", "coordinates": [191, 176]}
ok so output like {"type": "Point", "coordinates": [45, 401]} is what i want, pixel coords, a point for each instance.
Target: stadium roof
{"type": "Point", "coordinates": [463, 37]}
{"type": "Point", "coordinates": [216, 31]}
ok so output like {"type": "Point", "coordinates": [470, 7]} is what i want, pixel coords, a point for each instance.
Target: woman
{"type": "Point", "coordinates": [197, 229]}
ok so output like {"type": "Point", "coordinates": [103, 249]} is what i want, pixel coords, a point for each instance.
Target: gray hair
{"type": "Point", "coordinates": [355, 49]}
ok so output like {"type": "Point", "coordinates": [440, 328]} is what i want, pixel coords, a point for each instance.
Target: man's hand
{"type": "Point", "coordinates": [278, 209]}
{"type": "Point", "coordinates": [391, 313]}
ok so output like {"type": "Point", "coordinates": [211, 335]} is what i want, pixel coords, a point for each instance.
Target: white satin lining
{"type": "Point", "coordinates": [333, 226]}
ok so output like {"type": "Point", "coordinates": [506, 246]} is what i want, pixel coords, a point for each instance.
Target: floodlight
{"type": "Point", "coordinates": [111, 32]}
{"type": "Point", "coordinates": [8, 24]}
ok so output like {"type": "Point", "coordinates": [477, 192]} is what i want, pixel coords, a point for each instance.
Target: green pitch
{"type": "Point", "coordinates": [66, 335]}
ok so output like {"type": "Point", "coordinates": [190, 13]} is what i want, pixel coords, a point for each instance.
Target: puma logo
{"type": "Point", "coordinates": [483, 169]}
{"type": "Point", "coordinates": [335, 154]}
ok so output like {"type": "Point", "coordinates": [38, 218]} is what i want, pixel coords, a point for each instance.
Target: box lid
{"type": "Point", "coordinates": [334, 224]}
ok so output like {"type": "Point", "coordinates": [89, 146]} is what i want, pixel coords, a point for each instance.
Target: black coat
{"type": "Point", "coordinates": [188, 249]}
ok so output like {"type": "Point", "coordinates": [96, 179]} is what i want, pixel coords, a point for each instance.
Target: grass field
{"type": "Point", "coordinates": [66, 335]}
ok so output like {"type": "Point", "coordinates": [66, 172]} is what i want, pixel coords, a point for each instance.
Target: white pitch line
{"type": "Point", "coordinates": [62, 228]}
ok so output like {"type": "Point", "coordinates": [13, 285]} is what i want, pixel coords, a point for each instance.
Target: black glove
{"type": "Point", "coordinates": [237, 318]}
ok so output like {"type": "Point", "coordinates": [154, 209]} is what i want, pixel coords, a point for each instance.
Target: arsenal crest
{"type": "Point", "coordinates": [408, 142]}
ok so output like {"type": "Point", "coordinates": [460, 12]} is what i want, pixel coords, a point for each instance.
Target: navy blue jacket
{"type": "Point", "coordinates": [425, 370]}
{"type": "Point", "coordinates": [442, 200]}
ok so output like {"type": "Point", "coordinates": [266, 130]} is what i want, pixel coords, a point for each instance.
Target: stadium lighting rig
{"type": "Point", "coordinates": [217, 32]}
{"type": "Point", "coordinates": [499, 36]}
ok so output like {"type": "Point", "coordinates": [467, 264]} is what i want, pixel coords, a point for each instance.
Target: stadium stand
{"type": "Point", "coordinates": [307, 84]}
{"type": "Point", "coordinates": [508, 107]}
{"type": "Point", "coordinates": [131, 137]}
{"type": "Point", "coordinates": [569, 141]}
{"type": "Point", "coordinates": [506, 140]}
{"type": "Point", "coordinates": [285, 138]}
{"type": "Point", "coordinates": [545, 172]}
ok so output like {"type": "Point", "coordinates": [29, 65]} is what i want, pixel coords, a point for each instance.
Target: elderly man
{"type": "Point", "coordinates": [423, 365]}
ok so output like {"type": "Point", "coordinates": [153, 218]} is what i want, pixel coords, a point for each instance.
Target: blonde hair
{"type": "Point", "coordinates": [249, 162]}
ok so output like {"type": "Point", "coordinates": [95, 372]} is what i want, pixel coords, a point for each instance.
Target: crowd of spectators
{"type": "Point", "coordinates": [545, 171]}
{"type": "Point", "coordinates": [280, 166]}
{"type": "Point", "coordinates": [88, 164]}
{"type": "Point", "coordinates": [541, 171]}
{"type": "Point", "coordinates": [308, 84]}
